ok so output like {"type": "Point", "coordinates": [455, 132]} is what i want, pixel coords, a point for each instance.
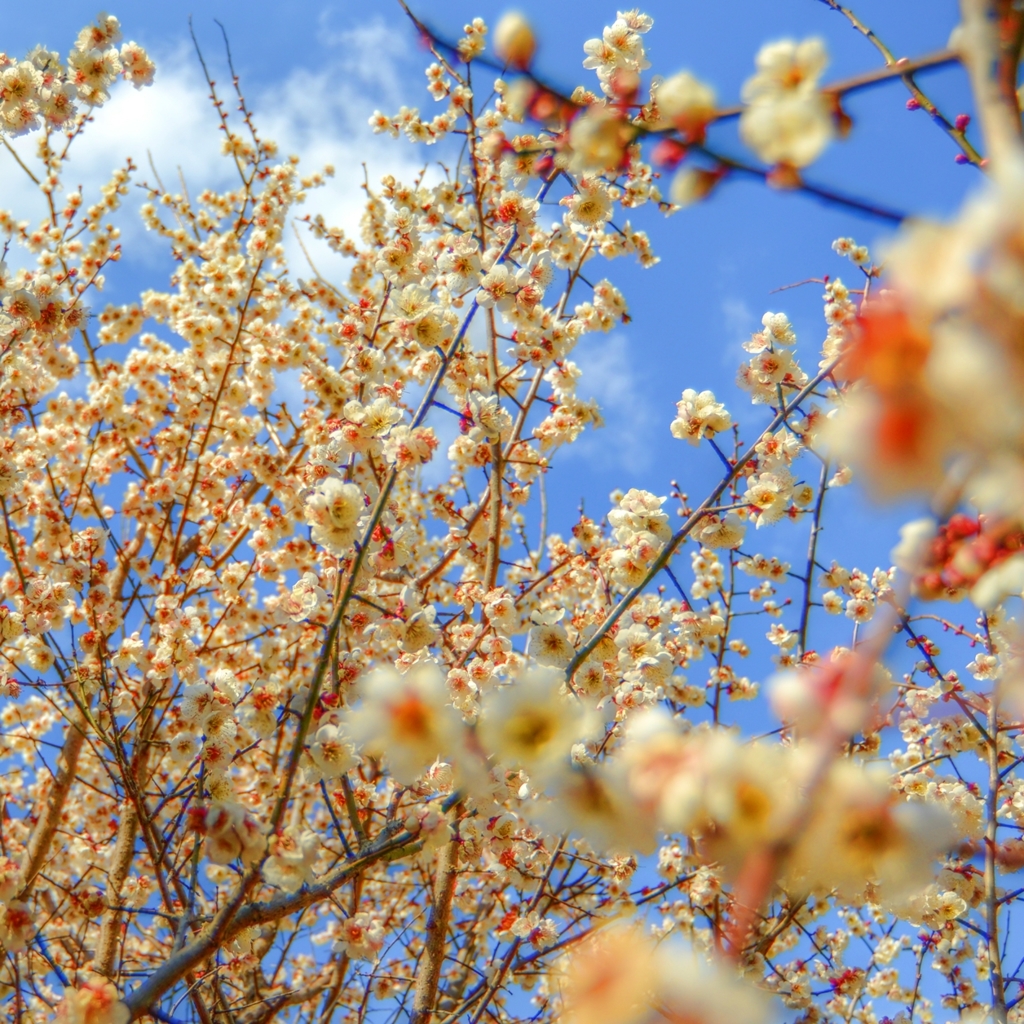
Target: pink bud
{"type": "Point", "coordinates": [668, 153]}
{"type": "Point", "coordinates": [913, 104]}
{"type": "Point", "coordinates": [962, 121]}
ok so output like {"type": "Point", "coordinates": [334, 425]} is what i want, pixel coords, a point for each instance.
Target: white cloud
{"type": "Point", "coordinates": [740, 323]}
{"type": "Point", "coordinates": [371, 54]}
{"type": "Point", "coordinates": [320, 115]}
{"type": "Point", "coordinates": [171, 122]}
{"type": "Point", "coordinates": [628, 439]}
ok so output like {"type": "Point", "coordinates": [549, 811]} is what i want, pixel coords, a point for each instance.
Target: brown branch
{"type": "Point", "coordinates": [46, 826]}
{"type": "Point", "coordinates": [812, 546]}
{"type": "Point", "coordinates": [428, 974]}
{"type": "Point", "coordinates": [10, 149]}
{"type": "Point", "coordinates": [494, 489]}
{"type": "Point", "coordinates": [855, 83]}
{"type": "Point", "coordinates": [991, 842]}
{"type": "Point", "coordinates": [906, 68]}
{"type": "Point", "coordinates": [234, 918]}
{"type": "Point", "coordinates": [266, 1012]}
{"type": "Point", "coordinates": [1000, 118]}
{"type": "Point", "coordinates": [124, 854]}
{"type": "Point", "coordinates": [837, 88]}
{"type": "Point", "coordinates": [1010, 39]}
{"type": "Point", "coordinates": [829, 195]}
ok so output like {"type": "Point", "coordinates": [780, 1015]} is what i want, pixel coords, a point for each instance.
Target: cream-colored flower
{"type": "Point", "coordinates": [595, 803]}
{"type": "Point", "coordinates": [686, 102]}
{"type": "Point", "coordinates": [406, 719]}
{"type": "Point", "coordinates": [787, 120]}
{"type": "Point", "coordinates": [769, 495]}
{"type": "Point", "coordinates": [792, 129]}
{"type": "Point", "coordinates": [17, 926]}
{"type": "Point", "coordinates": [598, 139]}
{"type": "Point", "coordinates": [619, 976]}
{"type": "Point", "coordinates": [532, 722]}
{"type": "Point", "coordinates": [231, 834]}
{"type": "Point", "coordinates": [93, 1002]}
{"type": "Point", "coordinates": [692, 184]}
{"type": "Point", "coordinates": [514, 41]}
{"type": "Point", "coordinates": [639, 512]}
{"type": "Point", "coordinates": [291, 859]}
{"type": "Point", "coordinates": [784, 68]}
{"type": "Point", "coordinates": [362, 937]}
{"type": "Point", "coordinates": [590, 205]}
{"type": "Point", "coordinates": [332, 751]}
{"type": "Point", "coordinates": [333, 511]}
{"type": "Point", "coordinates": [306, 596]}
{"type": "Point", "coordinates": [699, 415]}
{"type": "Point", "coordinates": [549, 642]}
{"type": "Point", "coordinates": [863, 832]}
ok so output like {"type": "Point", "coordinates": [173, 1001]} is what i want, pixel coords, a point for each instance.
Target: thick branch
{"type": "Point", "coordinates": [1010, 40]}
{"type": "Point", "coordinates": [231, 920]}
{"type": "Point", "coordinates": [1000, 118]}
{"type": "Point", "coordinates": [46, 826]}
{"type": "Point", "coordinates": [428, 975]}
{"type": "Point", "coordinates": [124, 854]}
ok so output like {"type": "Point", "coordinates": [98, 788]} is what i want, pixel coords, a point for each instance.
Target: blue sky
{"type": "Point", "coordinates": [315, 71]}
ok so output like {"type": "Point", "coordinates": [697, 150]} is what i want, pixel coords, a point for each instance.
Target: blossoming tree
{"type": "Point", "coordinates": [291, 733]}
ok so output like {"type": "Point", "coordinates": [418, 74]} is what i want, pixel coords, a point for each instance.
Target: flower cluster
{"type": "Point", "coordinates": [43, 90]}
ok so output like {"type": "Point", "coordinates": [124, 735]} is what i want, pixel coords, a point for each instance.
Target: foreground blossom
{"type": "Point", "coordinates": [406, 719]}
{"type": "Point", "coordinates": [619, 978]}
{"type": "Point", "coordinates": [95, 1002]}
{"type": "Point", "coordinates": [787, 120]}
{"type": "Point", "coordinates": [533, 723]}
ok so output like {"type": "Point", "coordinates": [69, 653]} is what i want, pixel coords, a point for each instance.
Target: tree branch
{"type": "Point", "coordinates": [46, 826]}
{"type": "Point", "coordinates": [428, 974]}
{"type": "Point", "coordinates": [1000, 119]}
{"type": "Point", "coordinates": [231, 920]}
{"type": "Point", "coordinates": [692, 522]}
